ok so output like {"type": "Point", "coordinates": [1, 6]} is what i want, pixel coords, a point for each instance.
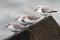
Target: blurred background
{"type": "Point", "coordinates": [10, 9]}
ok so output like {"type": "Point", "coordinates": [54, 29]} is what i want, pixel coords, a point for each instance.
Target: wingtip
{"type": "Point", "coordinates": [53, 11]}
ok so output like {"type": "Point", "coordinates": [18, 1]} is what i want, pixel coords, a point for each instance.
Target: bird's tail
{"type": "Point", "coordinates": [53, 11]}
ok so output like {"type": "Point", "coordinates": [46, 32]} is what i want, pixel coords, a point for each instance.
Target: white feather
{"type": "Point", "coordinates": [11, 27]}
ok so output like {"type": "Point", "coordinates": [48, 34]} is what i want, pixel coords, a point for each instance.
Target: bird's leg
{"type": "Point", "coordinates": [45, 16]}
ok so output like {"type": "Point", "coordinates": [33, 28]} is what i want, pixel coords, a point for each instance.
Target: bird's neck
{"type": "Point", "coordinates": [19, 19]}
{"type": "Point", "coordinates": [10, 27]}
{"type": "Point", "coordinates": [40, 10]}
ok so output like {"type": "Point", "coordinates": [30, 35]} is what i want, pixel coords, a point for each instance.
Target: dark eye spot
{"type": "Point", "coordinates": [8, 24]}
{"type": "Point", "coordinates": [19, 17]}
{"type": "Point", "coordinates": [38, 7]}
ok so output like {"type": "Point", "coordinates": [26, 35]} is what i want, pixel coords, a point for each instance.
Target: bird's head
{"type": "Point", "coordinates": [7, 25]}
{"type": "Point", "coordinates": [20, 18]}
{"type": "Point", "coordinates": [38, 7]}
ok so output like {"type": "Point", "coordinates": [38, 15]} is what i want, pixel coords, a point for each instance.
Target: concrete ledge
{"type": "Point", "coordinates": [46, 29]}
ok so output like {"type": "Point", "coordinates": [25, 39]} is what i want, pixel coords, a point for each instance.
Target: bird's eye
{"type": "Point", "coordinates": [38, 7]}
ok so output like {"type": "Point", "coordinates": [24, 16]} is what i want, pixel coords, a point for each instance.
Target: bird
{"type": "Point", "coordinates": [27, 19]}
{"type": "Point", "coordinates": [16, 27]}
{"type": "Point", "coordinates": [45, 10]}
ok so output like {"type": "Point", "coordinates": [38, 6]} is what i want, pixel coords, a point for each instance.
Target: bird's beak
{"type": "Point", "coordinates": [6, 26]}
{"type": "Point", "coordinates": [16, 19]}
{"type": "Point", "coordinates": [35, 10]}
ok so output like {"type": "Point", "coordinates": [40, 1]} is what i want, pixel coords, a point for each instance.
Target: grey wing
{"type": "Point", "coordinates": [48, 10]}
{"type": "Point", "coordinates": [18, 26]}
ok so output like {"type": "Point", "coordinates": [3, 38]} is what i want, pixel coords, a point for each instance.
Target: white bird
{"type": "Point", "coordinates": [27, 19]}
{"type": "Point", "coordinates": [45, 10]}
{"type": "Point", "coordinates": [16, 27]}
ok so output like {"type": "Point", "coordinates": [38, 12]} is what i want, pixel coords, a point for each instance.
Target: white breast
{"type": "Point", "coordinates": [40, 10]}
{"type": "Point", "coordinates": [11, 27]}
